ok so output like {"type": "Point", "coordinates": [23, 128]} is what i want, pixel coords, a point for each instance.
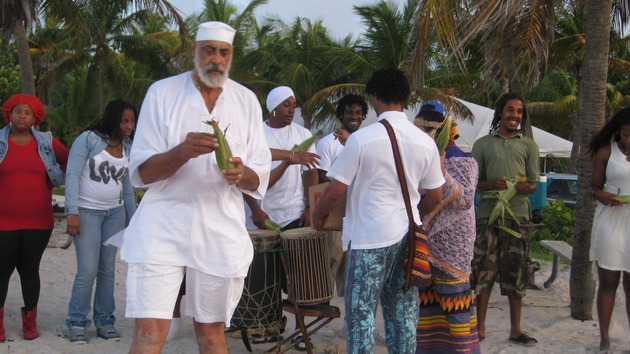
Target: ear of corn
{"type": "Point", "coordinates": [503, 205]}
{"type": "Point", "coordinates": [625, 199]}
{"type": "Point", "coordinates": [445, 135]}
{"type": "Point", "coordinates": [308, 142]}
{"type": "Point", "coordinates": [223, 151]}
{"type": "Point", "coordinates": [270, 225]}
{"type": "Point", "coordinates": [338, 132]}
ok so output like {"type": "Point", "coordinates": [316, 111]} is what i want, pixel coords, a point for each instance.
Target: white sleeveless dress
{"type": "Point", "coordinates": [610, 237]}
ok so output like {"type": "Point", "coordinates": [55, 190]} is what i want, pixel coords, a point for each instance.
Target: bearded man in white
{"type": "Point", "coordinates": [191, 219]}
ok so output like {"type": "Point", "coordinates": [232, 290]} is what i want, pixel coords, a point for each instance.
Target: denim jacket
{"type": "Point", "coordinates": [86, 146]}
{"type": "Point", "coordinates": [45, 149]}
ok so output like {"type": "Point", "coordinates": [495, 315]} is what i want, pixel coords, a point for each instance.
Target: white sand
{"type": "Point", "coordinates": [546, 316]}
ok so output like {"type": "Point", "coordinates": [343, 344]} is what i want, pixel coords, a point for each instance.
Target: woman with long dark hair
{"type": "Point", "coordinates": [99, 203]}
{"type": "Point", "coordinates": [610, 244]}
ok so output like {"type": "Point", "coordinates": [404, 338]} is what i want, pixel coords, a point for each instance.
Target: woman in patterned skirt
{"type": "Point", "coordinates": [447, 321]}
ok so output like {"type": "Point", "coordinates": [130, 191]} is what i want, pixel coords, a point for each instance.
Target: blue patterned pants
{"type": "Point", "coordinates": [373, 275]}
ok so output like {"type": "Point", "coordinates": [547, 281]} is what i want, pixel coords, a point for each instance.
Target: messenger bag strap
{"type": "Point", "coordinates": [401, 171]}
{"type": "Point", "coordinates": [411, 233]}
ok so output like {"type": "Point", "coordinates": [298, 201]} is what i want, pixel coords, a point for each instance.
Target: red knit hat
{"type": "Point", "coordinates": [34, 102]}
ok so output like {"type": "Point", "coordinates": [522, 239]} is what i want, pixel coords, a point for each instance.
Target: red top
{"type": "Point", "coordinates": [25, 190]}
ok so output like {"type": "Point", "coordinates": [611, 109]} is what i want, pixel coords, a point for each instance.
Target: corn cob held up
{"type": "Point", "coordinates": [625, 199]}
{"type": "Point", "coordinates": [503, 205]}
{"type": "Point", "coordinates": [445, 135]}
{"type": "Point", "coordinates": [223, 151]}
{"type": "Point", "coordinates": [308, 142]}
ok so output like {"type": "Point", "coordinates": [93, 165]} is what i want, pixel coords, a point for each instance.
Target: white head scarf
{"type": "Point", "coordinates": [277, 96]}
{"type": "Point", "coordinates": [215, 31]}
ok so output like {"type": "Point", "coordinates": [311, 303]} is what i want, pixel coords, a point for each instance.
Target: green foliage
{"type": "Point", "coordinates": [558, 221]}
{"type": "Point", "coordinates": [9, 73]}
{"type": "Point", "coordinates": [139, 194]}
{"type": "Point", "coordinates": [61, 190]}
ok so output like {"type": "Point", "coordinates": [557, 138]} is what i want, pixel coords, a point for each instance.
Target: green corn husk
{"type": "Point", "coordinates": [503, 205]}
{"type": "Point", "coordinates": [445, 135]}
{"type": "Point", "coordinates": [338, 132]}
{"type": "Point", "coordinates": [308, 142]}
{"type": "Point", "coordinates": [270, 225]}
{"type": "Point", "coordinates": [625, 199]}
{"type": "Point", "coordinates": [223, 152]}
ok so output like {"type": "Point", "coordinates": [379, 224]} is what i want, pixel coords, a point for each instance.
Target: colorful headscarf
{"type": "Point", "coordinates": [34, 102]}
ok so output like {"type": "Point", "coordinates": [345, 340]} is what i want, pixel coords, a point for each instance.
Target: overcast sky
{"type": "Point", "coordinates": [338, 15]}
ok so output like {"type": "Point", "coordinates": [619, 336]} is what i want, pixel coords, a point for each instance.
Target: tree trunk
{"type": "Point", "coordinates": [505, 86]}
{"type": "Point", "coordinates": [592, 113]}
{"type": "Point", "coordinates": [512, 75]}
{"type": "Point", "coordinates": [101, 79]}
{"type": "Point", "coordinates": [24, 58]}
{"type": "Point", "coordinates": [575, 148]}
{"type": "Point", "coordinates": [575, 132]}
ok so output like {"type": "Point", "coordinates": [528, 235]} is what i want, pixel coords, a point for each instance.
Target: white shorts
{"type": "Point", "coordinates": [152, 290]}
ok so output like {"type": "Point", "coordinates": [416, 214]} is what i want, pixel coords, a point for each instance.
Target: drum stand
{"type": "Point", "coordinates": [323, 313]}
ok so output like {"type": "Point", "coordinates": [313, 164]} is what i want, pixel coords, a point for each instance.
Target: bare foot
{"type": "Point", "coordinates": [604, 344]}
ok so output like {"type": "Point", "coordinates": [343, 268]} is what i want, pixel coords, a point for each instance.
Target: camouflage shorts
{"type": "Point", "coordinates": [499, 253]}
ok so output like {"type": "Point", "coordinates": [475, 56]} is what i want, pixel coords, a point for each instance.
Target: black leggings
{"type": "Point", "coordinates": [22, 249]}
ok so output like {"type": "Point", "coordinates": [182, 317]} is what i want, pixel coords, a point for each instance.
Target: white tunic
{"type": "Point", "coordinates": [194, 218]}
{"type": "Point", "coordinates": [610, 237]}
{"type": "Point", "coordinates": [328, 148]}
{"type": "Point", "coordinates": [285, 201]}
{"type": "Point", "coordinates": [375, 210]}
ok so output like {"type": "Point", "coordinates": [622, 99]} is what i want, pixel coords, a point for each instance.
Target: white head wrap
{"type": "Point", "coordinates": [277, 96]}
{"type": "Point", "coordinates": [215, 31]}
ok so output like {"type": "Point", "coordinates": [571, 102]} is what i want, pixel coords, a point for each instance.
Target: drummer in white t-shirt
{"type": "Point", "coordinates": [285, 201]}
{"type": "Point", "coordinates": [351, 112]}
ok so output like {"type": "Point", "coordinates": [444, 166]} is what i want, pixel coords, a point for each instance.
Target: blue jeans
{"type": "Point", "coordinates": [95, 262]}
{"type": "Point", "coordinates": [373, 275]}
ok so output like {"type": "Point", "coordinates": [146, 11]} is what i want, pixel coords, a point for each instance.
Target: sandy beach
{"type": "Point", "coordinates": [546, 316]}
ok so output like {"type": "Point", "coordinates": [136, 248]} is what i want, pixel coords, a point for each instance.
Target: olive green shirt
{"type": "Point", "coordinates": [508, 158]}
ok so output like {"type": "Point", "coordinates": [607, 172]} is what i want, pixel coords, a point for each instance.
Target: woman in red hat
{"type": "Point", "coordinates": [31, 163]}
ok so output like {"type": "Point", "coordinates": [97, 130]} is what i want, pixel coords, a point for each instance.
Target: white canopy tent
{"type": "Point", "coordinates": [548, 144]}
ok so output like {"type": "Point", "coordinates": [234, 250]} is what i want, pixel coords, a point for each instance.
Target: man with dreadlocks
{"type": "Point", "coordinates": [504, 154]}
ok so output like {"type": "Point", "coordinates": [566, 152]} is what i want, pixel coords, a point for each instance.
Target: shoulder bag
{"type": "Point", "coordinates": [417, 265]}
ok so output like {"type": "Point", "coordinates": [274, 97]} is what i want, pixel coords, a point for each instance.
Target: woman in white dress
{"type": "Point", "coordinates": [610, 241]}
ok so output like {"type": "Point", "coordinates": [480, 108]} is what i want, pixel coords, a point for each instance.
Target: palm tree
{"type": "Point", "coordinates": [97, 28]}
{"type": "Point", "coordinates": [593, 108]}
{"type": "Point", "coordinates": [515, 35]}
{"type": "Point", "coordinates": [389, 33]}
{"type": "Point", "coordinates": [226, 12]}
{"type": "Point", "coordinates": [551, 101]}
{"type": "Point", "coordinates": [9, 72]}
{"type": "Point", "coordinates": [16, 17]}
{"type": "Point", "coordinates": [291, 55]}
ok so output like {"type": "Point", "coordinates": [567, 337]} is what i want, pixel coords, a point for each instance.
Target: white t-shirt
{"type": "Point", "coordinates": [328, 148]}
{"type": "Point", "coordinates": [101, 180]}
{"type": "Point", "coordinates": [285, 201]}
{"type": "Point", "coordinates": [375, 210]}
{"type": "Point", "coordinates": [194, 218]}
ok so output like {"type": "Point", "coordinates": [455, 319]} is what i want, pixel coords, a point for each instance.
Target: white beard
{"type": "Point", "coordinates": [212, 80]}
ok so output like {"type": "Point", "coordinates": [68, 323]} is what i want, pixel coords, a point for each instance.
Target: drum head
{"type": "Point", "coordinates": [302, 232]}
{"type": "Point", "coordinates": [264, 240]}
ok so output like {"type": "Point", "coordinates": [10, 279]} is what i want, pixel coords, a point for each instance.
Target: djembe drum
{"type": "Point", "coordinates": [307, 265]}
{"type": "Point", "coordinates": [260, 307]}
